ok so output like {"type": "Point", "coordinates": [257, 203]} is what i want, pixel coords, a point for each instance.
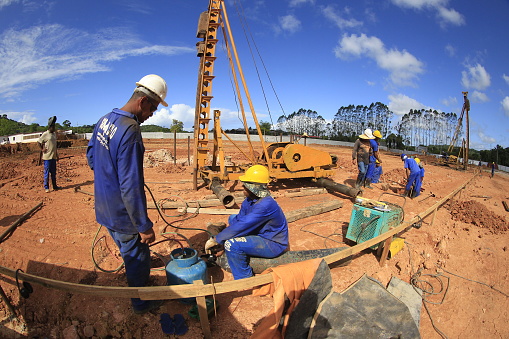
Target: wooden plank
{"type": "Point", "coordinates": [385, 251]}
{"type": "Point", "coordinates": [306, 192]}
{"type": "Point", "coordinates": [505, 206]}
{"type": "Point", "coordinates": [210, 210]}
{"type": "Point", "coordinates": [313, 210]}
{"type": "Point", "coordinates": [19, 221]}
{"type": "Point", "coordinates": [202, 311]}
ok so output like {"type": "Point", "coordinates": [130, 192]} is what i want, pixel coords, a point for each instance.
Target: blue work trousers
{"type": "Point", "coordinates": [50, 168]}
{"type": "Point", "coordinates": [412, 178]}
{"type": "Point", "coordinates": [417, 187]}
{"type": "Point", "coordinates": [371, 168]}
{"type": "Point", "coordinates": [238, 250]}
{"type": "Point", "coordinates": [136, 257]}
{"type": "Point", "coordinates": [363, 168]}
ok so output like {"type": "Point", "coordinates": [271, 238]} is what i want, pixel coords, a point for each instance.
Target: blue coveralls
{"type": "Point", "coordinates": [260, 229]}
{"type": "Point", "coordinates": [115, 154]}
{"type": "Point", "coordinates": [372, 160]}
{"type": "Point", "coordinates": [415, 171]}
{"type": "Point", "coordinates": [377, 172]}
{"type": "Point", "coordinates": [418, 182]}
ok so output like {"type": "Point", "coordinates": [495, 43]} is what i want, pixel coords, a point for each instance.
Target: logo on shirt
{"type": "Point", "coordinates": [106, 132]}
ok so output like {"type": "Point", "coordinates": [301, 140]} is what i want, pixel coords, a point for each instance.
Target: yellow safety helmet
{"type": "Point", "coordinates": [377, 134]}
{"type": "Point", "coordinates": [256, 173]}
{"type": "Point", "coordinates": [417, 160]}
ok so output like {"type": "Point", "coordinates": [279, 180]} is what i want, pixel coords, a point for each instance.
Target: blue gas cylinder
{"type": "Point", "coordinates": [185, 267]}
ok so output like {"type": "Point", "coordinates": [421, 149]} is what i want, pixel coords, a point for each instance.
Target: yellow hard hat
{"type": "Point", "coordinates": [256, 173]}
{"type": "Point", "coordinates": [417, 160]}
{"type": "Point", "coordinates": [377, 134]}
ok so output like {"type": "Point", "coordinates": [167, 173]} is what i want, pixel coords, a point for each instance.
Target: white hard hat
{"type": "Point", "coordinates": [369, 133]}
{"type": "Point", "coordinates": [154, 86]}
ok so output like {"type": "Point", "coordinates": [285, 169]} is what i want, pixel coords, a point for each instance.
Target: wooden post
{"type": "Point", "coordinates": [175, 147]}
{"type": "Point", "coordinates": [188, 150]}
{"type": "Point", "coordinates": [7, 302]}
{"type": "Point", "coordinates": [385, 251]}
{"type": "Point", "coordinates": [19, 221]}
{"type": "Point", "coordinates": [434, 216]}
{"type": "Point", "coordinates": [202, 311]}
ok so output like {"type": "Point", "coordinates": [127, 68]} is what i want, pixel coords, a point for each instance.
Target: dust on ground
{"type": "Point", "coordinates": [467, 237]}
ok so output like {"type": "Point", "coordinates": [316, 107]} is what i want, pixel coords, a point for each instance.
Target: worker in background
{"type": "Point", "coordinates": [115, 154]}
{"type": "Point", "coordinates": [413, 171]}
{"type": "Point", "coordinates": [377, 172]}
{"type": "Point", "coordinates": [360, 153]}
{"type": "Point", "coordinates": [48, 144]}
{"type": "Point", "coordinates": [418, 183]}
{"type": "Point", "coordinates": [259, 229]}
{"type": "Point", "coordinates": [492, 169]}
{"type": "Point", "coordinates": [374, 156]}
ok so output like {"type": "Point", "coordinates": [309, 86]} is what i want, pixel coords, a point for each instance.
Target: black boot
{"type": "Point", "coordinates": [407, 193]}
{"type": "Point", "coordinates": [367, 183]}
{"type": "Point", "coordinates": [358, 183]}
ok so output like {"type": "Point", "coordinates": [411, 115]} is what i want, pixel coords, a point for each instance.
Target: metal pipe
{"type": "Point", "coordinates": [222, 194]}
{"type": "Point", "coordinates": [327, 183]}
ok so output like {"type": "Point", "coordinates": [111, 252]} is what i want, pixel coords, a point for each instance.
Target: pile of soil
{"type": "Point", "coordinates": [475, 213]}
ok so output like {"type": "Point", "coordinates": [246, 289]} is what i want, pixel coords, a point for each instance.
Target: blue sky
{"type": "Point", "coordinates": [79, 59]}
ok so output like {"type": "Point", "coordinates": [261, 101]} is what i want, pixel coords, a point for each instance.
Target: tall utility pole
{"type": "Point", "coordinates": [466, 107]}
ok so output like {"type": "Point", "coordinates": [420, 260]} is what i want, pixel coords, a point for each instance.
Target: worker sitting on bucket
{"type": "Point", "coordinates": [413, 171]}
{"type": "Point", "coordinates": [259, 229]}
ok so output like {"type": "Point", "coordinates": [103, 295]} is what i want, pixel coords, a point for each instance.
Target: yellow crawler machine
{"type": "Point", "coordinates": [285, 160]}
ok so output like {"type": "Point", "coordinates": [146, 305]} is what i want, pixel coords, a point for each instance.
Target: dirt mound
{"type": "Point", "coordinates": [8, 171]}
{"type": "Point", "coordinates": [475, 213]}
{"type": "Point", "coordinates": [395, 175]}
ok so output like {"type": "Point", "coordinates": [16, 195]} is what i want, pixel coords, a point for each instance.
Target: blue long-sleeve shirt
{"type": "Point", "coordinates": [115, 153]}
{"type": "Point", "coordinates": [262, 217]}
{"type": "Point", "coordinates": [412, 165]}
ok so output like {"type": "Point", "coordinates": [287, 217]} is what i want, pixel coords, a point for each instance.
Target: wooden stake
{"type": "Point", "coordinates": [19, 221]}
{"type": "Point", "coordinates": [202, 311]}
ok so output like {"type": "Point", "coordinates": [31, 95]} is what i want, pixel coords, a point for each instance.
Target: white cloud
{"type": "Point", "coordinates": [475, 77]}
{"type": "Point", "coordinates": [40, 54]}
{"type": "Point", "coordinates": [164, 117]}
{"type": "Point", "coordinates": [506, 78]}
{"type": "Point", "coordinates": [450, 50]}
{"type": "Point", "coordinates": [477, 96]}
{"type": "Point", "coordinates": [295, 3]}
{"type": "Point", "coordinates": [505, 105]}
{"type": "Point", "coordinates": [290, 23]}
{"type": "Point", "coordinates": [5, 3]}
{"type": "Point", "coordinates": [401, 104]}
{"type": "Point", "coordinates": [330, 13]}
{"type": "Point", "coordinates": [485, 138]}
{"type": "Point", "coordinates": [403, 67]}
{"type": "Point", "coordinates": [26, 117]}
{"type": "Point", "coordinates": [445, 15]}
{"type": "Point", "coordinates": [450, 101]}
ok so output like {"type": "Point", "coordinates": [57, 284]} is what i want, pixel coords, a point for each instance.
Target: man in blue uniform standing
{"type": "Point", "coordinates": [115, 154]}
{"type": "Point", "coordinates": [420, 178]}
{"type": "Point", "coordinates": [374, 159]}
{"type": "Point", "coordinates": [413, 171]}
{"type": "Point", "coordinates": [259, 229]}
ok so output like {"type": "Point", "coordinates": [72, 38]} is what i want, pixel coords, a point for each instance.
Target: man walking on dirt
{"type": "Point", "coordinates": [115, 154]}
{"type": "Point", "coordinates": [48, 144]}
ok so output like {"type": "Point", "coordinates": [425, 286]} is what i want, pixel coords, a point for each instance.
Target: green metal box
{"type": "Point", "coordinates": [367, 223]}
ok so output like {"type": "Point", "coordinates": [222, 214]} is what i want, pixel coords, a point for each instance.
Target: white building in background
{"type": "Point", "coordinates": [30, 137]}
{"type": "Point", "coordinates": [24, 138]}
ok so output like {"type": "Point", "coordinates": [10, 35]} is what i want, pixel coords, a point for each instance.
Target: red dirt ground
{"type": "Point", "coordinates": [468, 239]}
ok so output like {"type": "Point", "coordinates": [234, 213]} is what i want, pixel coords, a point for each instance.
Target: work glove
{"type": "Point", "coordinates": [212, 244]}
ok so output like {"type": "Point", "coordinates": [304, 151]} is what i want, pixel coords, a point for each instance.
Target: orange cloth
{"type": "Point", "coordinates": [292, 280]}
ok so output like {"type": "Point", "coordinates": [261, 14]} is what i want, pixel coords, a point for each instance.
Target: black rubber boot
{"type": "Point", "coordinates": [367, 183]}
{"type": "Point", "coordinates": [407, 193]}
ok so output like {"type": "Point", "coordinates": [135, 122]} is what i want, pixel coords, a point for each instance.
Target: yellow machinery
{"type": "Point", "coordinates": [285, 160]}
{"type": "Point", "coordinates": [463, 150]}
